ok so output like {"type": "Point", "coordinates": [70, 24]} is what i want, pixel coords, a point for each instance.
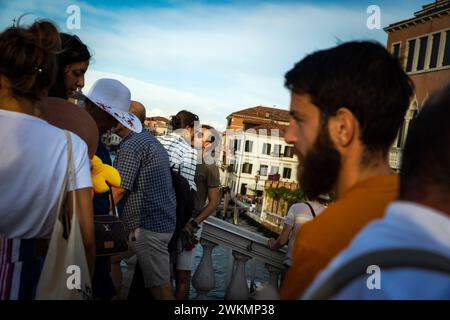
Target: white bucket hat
{"type": "Point", "coordinates": [114, 98]}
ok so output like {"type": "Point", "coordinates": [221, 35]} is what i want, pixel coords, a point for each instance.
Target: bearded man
{"type": "Point", "coordinates": [347, 105]}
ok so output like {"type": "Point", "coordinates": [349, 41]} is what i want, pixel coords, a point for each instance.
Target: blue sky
{"type": "Point", "coordinates": [210, 57]}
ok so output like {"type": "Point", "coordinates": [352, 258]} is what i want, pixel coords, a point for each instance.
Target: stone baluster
{"type": "Point", "coordinates": [229, 267]}
{"type": "Point", "coordinates": [204, 278]}
{"type": "Point", "coordinates": [237, 288]}
{"type": "Point", "coordinates": [226, 201]}
{"type": "Point", "coordinates": [235, 215]}
{"type": "Point", "coordinates": [274, 275]}
{"type": "Point", "coordinates": [253, 276]}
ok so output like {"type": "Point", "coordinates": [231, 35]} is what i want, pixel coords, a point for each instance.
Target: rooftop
{"type": "Point", "coordinates": [261, 112]}
{"type": "Point", "coordinates": [157, 119]}
{"type": "Point", "coordinates": [436, 8]}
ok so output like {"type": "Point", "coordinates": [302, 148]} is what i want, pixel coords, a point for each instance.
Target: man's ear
{"type": "Point", "coordinates": [343, 128]}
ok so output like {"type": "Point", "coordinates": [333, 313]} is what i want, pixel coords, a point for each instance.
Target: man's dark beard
{"type": "Point", "coordinates": [321, 167]}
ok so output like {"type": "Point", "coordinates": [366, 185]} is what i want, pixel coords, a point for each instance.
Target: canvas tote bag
{"type": "Point", "coordinates": [65, 274]}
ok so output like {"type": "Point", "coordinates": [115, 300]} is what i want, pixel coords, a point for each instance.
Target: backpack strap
{"type": "Point", "coordinates": [310, 208]}
{"type": "Point", "coordinates": [385, 259]}
{"type": "Point", "coordinates": [174, 169]}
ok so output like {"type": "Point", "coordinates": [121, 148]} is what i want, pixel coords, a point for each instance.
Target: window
{"type": "Point", "coordinates": [396, 51]}
{"type": "Point", "coordinates": [232, 167]}
{"type": "Point", "coordinates": [263, 170]}
{"type": "Point", "coordinates": [446, 60]}
{"type": "Point", "coordinates": [274, 169]}
{"type": "Point", "coordinates": [435, 50]}
{"type": "Point", "coordinates": [287, 173]}
{"type": "Point", "coordinates": [247, 168]}
{"type": "Point", "coordinates": [243, 188]}
{"type": "Point", "coordinates": [266, 148]}
{"type": "Point", "coordinates": [289, 152]}
{"type": "Point", "coordinates": [422, 51]}
{"type": "Point", "coordinates": [248, 146]}
{"type": "Point", "coordinates": [411, 48]}
{"type": "Point", "coordinates": [237, 144]}
{"type": "Point", "coordinates": [276, 150]}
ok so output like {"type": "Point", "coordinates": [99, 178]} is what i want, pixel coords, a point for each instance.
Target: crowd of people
{"type": "Point", "coordinates": [347, 105]}
{"type": "Point", "coordinates": [41, 71]}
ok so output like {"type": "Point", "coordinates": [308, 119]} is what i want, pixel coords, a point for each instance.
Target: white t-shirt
{"type": "Point", "coordinates": [33, 162]}
{"type": "Point", "coordinates": [298, 214]}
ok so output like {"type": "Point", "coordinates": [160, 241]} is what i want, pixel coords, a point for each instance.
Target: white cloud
{"type": "Point", "coordinates": [161, 101]}
{"type": "Point", "coordinates": [211, 59]}
{"type": "Point", "coordinates": [155, 112]}
{"type": "Point", "coordinates": [234, 57]}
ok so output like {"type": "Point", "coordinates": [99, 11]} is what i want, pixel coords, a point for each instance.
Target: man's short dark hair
{"type": "Point", "coordinates": [426, 156]}
{"type": "Point", "coordinates": [362, 77]}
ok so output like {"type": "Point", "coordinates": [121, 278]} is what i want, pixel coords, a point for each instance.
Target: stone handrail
{"type": "Point", "coordinates": [245, 245]}
{"type": "Point", "coordinates": [241, 240]}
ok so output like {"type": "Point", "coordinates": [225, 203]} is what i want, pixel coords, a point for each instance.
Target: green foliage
{"type": "Point", "coordinates": [291, 196]}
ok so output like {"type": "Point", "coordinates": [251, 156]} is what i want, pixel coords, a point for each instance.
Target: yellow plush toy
{"type": "Point", "coordinates": [102, 175]}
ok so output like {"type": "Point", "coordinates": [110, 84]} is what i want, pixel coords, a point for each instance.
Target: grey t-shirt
{"type": "Point", "coordinates": [206, 176]}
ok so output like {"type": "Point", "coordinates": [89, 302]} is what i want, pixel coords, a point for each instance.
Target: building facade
{"type": "Point", "coordinates": [157, 126]}
{"type": "Point", "coordinates": [246, 119]}
{"type": "Point", "coordinates": [422, 44]}
{"type": "Point", "coordinates": [255, 116]}
{"type": "Point", "coordinates": [111, 142]}
{"type": "Point", "coordinates": [256, 155]}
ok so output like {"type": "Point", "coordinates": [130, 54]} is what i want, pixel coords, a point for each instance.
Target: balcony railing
{"type": "Point", "coordinates": [273, 218]}
{"type": "Point", "coordinates": [395, 158]}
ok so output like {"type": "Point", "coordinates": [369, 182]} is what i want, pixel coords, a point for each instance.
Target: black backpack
{"type": "Point", "coordinates": [185, 205]}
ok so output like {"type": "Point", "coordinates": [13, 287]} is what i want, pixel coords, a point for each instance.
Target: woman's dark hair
{"type": "Point", "coordinates": [183, 119]}
{"type": "Point", "coordinates": [362, 77]}
{"type": "Point", "coordinates": [28, 58]}
{"type": "Point", "coordinates": [73, 50]}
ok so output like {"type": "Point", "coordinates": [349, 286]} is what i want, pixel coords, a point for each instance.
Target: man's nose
{"type": "Point", "coordinates": [80, 82]}
{"type": "Point", "coordinates": [290, 135]}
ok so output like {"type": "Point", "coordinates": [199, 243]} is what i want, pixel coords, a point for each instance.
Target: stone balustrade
{"type": "Point", "coordinates": [245, 245]}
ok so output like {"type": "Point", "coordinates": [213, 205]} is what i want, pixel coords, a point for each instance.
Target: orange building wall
{"type": "Point", "coordinates": [428, 82]}
{"type": "Point", "coordinates": [425, 82]}
{"type": "Point", "coordinates": [236, 123]}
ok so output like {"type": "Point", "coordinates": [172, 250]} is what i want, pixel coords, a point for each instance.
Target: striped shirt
{"type": "Point", "coordinates": [182, 156]}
